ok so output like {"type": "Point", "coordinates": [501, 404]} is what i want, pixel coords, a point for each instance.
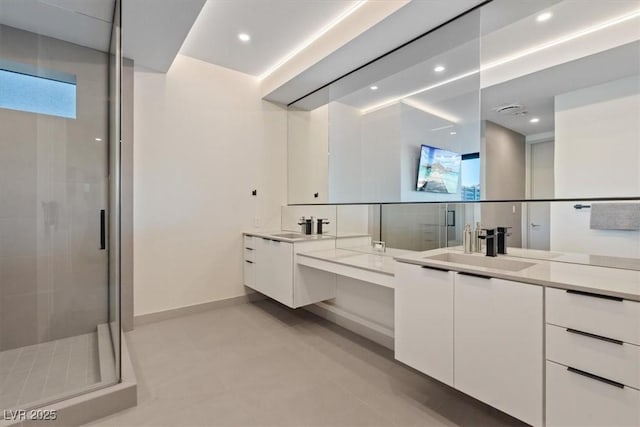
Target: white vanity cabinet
{"type": "Point", "coordinates": [424, 320]}
{"type": "Point", "coordinates": [270, 268]}
{"type": "Point", "coordinates": [593, 359]}
{"type": "Point", "coordinates": [274, 270]}
{"type": "Point", "coordinates": [249, 261]}
{"type": "Point", "coordinates": [498, 330]}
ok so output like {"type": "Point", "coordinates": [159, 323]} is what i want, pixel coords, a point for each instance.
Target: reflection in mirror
{"type": "Point", "coordinates": [531, 95]}
{"type": "Point", "coordinates": [402, 136]}
{"type": "Point", "coordinates": [560, 88]}
{"type": "Point", "coordinates": [417, 227]}
{"type": "Point", "coordinates": [369, 137]}
{"type": "Point", "coordinates": [357, 227]}
{"type": "Point", "coordinates": [595, 232]}
{"type": "Point", "coordinates": [601, 233]}
{"type": "Point", "coordinates": [292, 218]}
{"type": "Point", "coordinates": [307, 154]}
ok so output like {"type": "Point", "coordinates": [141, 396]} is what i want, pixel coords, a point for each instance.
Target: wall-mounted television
{"type": "Point", "coordinates": [438, 170]}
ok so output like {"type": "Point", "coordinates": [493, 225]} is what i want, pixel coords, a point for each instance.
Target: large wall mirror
{"type": "Point", "coordinates": [516, 100]}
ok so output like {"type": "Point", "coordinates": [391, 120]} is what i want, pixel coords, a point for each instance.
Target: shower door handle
{"type": "Point", "coordinates": [103, 230]}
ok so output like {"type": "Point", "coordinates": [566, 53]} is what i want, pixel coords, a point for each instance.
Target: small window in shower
{"type": "Point", "coordinates": [24, 88]}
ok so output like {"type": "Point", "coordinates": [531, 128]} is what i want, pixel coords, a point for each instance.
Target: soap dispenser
{"type": "Point", "coordinates": [467, 239]}
{"type": "Point", "coordinates": [477, 241]}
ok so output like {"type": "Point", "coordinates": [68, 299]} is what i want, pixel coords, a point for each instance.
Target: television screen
{"type": "Point", "coordinates": [438, 171]}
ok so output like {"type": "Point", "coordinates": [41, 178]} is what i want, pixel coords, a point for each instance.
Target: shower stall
{"type": "Point", "coordinates": [60, 113]}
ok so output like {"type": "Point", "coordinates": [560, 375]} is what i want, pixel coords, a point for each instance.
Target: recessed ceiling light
{"type": "Point", "coordinates": [453, 133]}
{"type": "Point", "coordinates": [545, 16]}
{"type": "Point", "coordinates": [439, 69]}
{"type": "Point", "coordinates": [98, 139]}
{"type": "Point", "coordinates": [244, 37]}
{"type": "Point", "coordinates": [534, 120]}
{"type": "Point", "coordinates": [374, 87]}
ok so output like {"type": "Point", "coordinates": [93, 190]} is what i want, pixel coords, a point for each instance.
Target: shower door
{"type": "Point", "coordinates": [58, 210]}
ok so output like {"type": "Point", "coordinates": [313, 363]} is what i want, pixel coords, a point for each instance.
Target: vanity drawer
{"type": "Point", "coordinates": [249, 273]}
{"type": "Point", "coordinates": [616, 361]}
{"type": "Point", "coordinates": [574, 399]}
{"type": "Point", "coordinates": [600, 315]}
{"type": "Point", "coordinates": [249, 254]}
{"type": "Point", "coordinates": [249, 242]}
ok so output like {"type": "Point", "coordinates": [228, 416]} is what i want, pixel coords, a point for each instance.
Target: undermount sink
{"type": "Point", "coordinates": [482, 261]}
{"type": "Point", "coordinates": [289, 235]}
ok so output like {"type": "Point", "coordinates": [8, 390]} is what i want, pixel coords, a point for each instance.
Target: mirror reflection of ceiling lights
{"type": "Point", "coordinates": [507, 59]}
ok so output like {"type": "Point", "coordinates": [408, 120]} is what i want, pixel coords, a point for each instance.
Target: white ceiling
{"type": "Point", "coordinates": [154, 30]}
{"type": "Point", "coordinates": [83, 22]}
{"type": "Point", "coordinates": [276, 27]}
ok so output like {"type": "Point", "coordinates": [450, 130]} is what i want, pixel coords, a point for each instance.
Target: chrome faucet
{"type": "Point", "coordinates": [489, 234]}
{"type": "Point", "coordinates": [503, 233]}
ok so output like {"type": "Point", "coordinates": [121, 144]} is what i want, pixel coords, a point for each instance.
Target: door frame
{"type": "Point", "coordinates": [530, 140]}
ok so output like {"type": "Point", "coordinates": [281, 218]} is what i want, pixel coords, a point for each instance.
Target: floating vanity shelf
{"type": "Point", "coordinates": [371, 268]}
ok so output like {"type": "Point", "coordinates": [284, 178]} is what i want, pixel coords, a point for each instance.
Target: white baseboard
{"type": "Point", "coordinates": [375, 332]}
{"type": "Point", "coordinates": [158, 316]}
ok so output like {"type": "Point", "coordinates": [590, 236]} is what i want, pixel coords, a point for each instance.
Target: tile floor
{"type": "Point", "coordinates": [48, 370]}
{"type": "Point", "coordinates": [261, 364]}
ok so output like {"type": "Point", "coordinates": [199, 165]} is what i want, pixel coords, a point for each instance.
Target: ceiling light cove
{"type": "Point", "coordinates": [439, 68]}
{"type": "Point", "coordinates": [374, 87]}
{"type": "Point", "coordinates": [244, 37]}
{"type": "Point", "coordinates": [545, 16]}
{"type": "Point", "coordinates": [431, 110]}
{"type": "Point", "coordinates": [305, 44]}
{"type": "Point", "coordinates": [416, 92]}
{"type": "Point", "coordinates": [564, 39]}
{"type": "Point", "coordinates": [534, 120]}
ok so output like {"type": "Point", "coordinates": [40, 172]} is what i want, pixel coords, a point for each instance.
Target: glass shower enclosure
{"type": "Point", "coordinates": [59, 205]}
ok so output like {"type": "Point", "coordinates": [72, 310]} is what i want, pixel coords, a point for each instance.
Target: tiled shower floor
{"type": "Point", "coordinates": [48, 370]}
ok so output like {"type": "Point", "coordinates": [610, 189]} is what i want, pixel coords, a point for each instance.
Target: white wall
{"type": "Point", "coordinates": [374, 157]}
{"type": "Point", "coordinates": [503, 175]}
{"type": "Point", "coordinates": [381, 134]}
{"type": "Point", "coordinates": [345, 153]}
{"type": "Point", "coordinates": [204, 140]}
{"type": "Point", "coordinates": [308, 136]}
{"type": "Point", "coordinates": [597, 153]}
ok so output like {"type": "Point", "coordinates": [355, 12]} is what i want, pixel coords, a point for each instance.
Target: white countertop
{"type": "Point", "coordinates": [299, 238]}
{"type": "Point", "coordinates": [360, 257]}
{"type": "Point", "coordinates": [616, 282]}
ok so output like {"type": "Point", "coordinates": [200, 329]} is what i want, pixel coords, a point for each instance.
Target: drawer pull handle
{"type": "Point", "coordinates": [249, 249]}
{"type": "Point", "coordinates": [589, 294]}
{"type": "Point", "coordinates": [480, 276]}
{"type": "Point", "coordinates": [435, 268]}
{"type": "Point", "coordinates": [595, 377]}
{"type": "Point", "coordinates": [598, 337]}
{"type": "Point", "coordinates": [250, 262]}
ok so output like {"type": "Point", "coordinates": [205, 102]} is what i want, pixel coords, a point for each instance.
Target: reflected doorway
{"type": "Point", "coordinates": [542, 184]}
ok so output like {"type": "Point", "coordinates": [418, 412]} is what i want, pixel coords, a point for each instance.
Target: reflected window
{"type": "Point", "coordinates": [35, 94]}
{"type": "Point", "coordinates": [470, 176]}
